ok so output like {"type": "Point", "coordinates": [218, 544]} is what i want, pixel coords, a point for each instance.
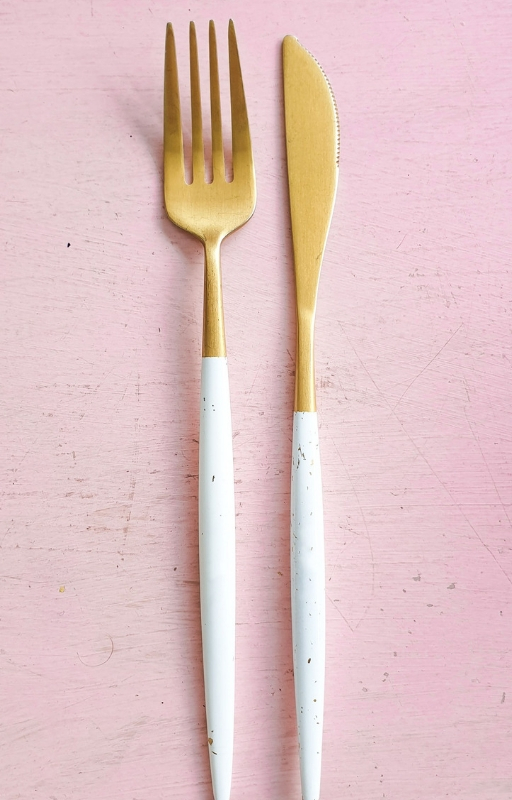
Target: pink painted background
{"type": "Point", "coordinates": [100, 671]}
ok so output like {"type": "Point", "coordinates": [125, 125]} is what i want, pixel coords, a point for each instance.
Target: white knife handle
{"type": "Point", "coordinates": [308, 598]}
{"type": "Point", "coordinates": [217, 568]}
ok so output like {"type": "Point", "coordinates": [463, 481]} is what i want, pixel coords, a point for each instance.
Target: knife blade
{"type": "Point", "coordinates": [312, 150]}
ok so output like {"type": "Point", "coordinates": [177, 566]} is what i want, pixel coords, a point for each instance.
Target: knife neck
{"type": "Point", "coordinates": [305, 395]}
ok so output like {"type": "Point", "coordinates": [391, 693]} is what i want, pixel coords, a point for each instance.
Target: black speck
{"type": "Point", "coordinates": [69, 244]}
{"type": "Point", "coordinates": [213, 478]}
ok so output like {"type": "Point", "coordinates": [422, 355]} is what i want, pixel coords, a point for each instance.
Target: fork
{"type": "Point", "coordinates": [210, 211]}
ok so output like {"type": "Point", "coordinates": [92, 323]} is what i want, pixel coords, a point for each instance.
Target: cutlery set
{"type": "Point", "coordinates": [210, 211]}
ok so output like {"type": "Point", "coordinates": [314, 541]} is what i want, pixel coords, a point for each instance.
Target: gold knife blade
{"type": "Point", "coordinates": [312, 150]}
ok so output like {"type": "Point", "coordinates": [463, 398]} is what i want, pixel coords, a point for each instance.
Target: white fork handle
{"type": "Point", "coordinates": [308, 598]}
{"type": "Point", "coordinates": [217, 568]}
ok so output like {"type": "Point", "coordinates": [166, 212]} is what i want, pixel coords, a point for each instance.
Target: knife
{"type": "Point", "coordinates": [312, 150]}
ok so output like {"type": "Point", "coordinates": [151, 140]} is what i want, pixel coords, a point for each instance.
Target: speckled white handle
{"type": "Point", "coordinates": [217, 568]}
{"type": "Point", "coordinates": [308, 598]}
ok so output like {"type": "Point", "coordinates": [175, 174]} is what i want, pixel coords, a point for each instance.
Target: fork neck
{"type": "Point", "coordinates": [214, 337]}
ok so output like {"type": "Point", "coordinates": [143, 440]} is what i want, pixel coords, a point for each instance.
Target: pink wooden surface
{"type": "Point", "coordinates": [100, 672]}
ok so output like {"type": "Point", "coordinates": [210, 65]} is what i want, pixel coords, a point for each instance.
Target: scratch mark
{"type": "Point", "coordinates": [103, 662]}
{"type": "Point", "coordinates": [401, 243]}
{"type": "Point", "coordinates": [469, 65]}
{"type": "Point", "coordinates": [124, 392]}
{"type": "Point", "coordinates": [133, 484]}
{"type": "Point", "coordinates": [340, 613]}
{"type": "Point", "coordinates": [28, 452]}
{"type": "Point", "coordinates": [254, 381]}
{"type": "Point", "coordinates": [425, 459]}
{"type": "Point", "coordinates": [477, 442]}
{"type": "Point", "coordinates": [134, 471]}
{"type": "Point", "coordinates": [368, 537]}
{"type": "Point", "coordinates": [420, 373]}
{"type": "Point", "coordinates": [4, 537]}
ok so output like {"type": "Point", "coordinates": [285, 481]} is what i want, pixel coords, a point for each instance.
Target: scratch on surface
{"type": "Point", "coordinates": [420, 373]}
{"type": "Point", "coordinates": [403, 240]}
{"type": "Point", "coordinates": [6, 534]}
{"type": "Point", "coordinates": [254, 381]}
{"type": "Point", "coordinates": [124, 392]}
{"type": "Point", "coordinates": [133, 484]}
{"type": "Point", "coordinates": [469, 65]}
{"type": "Point", "coordinates": [368, 537]}
{"type": "Point", "coordinates": [133, 471]}
{"type": "Point", "coordinates": [27, 453]}
{"type": "Point", "coordinates": [425, 459]}
{"type": "Point", "coordinates": [477, 442]}
{"type": "Point", "coordinates": [340, 613]}
{"type": "Point", "coordinates": [89, 391]}
{"type": "Point", "coordinates": [103, 662]}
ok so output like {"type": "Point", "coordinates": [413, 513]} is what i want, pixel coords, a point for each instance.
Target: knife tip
{"type": "Point", "coordinates": [290, 45]}
{"type": "Point", "coordinates": [290, 40]}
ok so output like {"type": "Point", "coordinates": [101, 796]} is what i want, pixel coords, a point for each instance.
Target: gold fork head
{"type": "Point", "coordinates": [209, 211]}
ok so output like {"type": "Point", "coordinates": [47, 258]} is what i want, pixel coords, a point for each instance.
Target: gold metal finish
{"type": "Point", "coordinates": [210, 211]}
{"type": "Point", "coordinates": [312, 149]}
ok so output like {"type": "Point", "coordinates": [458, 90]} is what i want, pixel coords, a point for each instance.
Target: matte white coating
{"type": "Point", "coordinates": [217, 568]}
{"type": "Point", "coordinates": [308, 597]}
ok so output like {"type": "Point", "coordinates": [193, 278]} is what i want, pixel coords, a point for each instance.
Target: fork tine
{"type": "Point", "coordinates": [173, 138]}
{"type": "Point", "coordinates": [195, 98]}
{"type": "Point", "coordinates": [217, 148]}
{"type": "Point", "coordinates": [241, 138]}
